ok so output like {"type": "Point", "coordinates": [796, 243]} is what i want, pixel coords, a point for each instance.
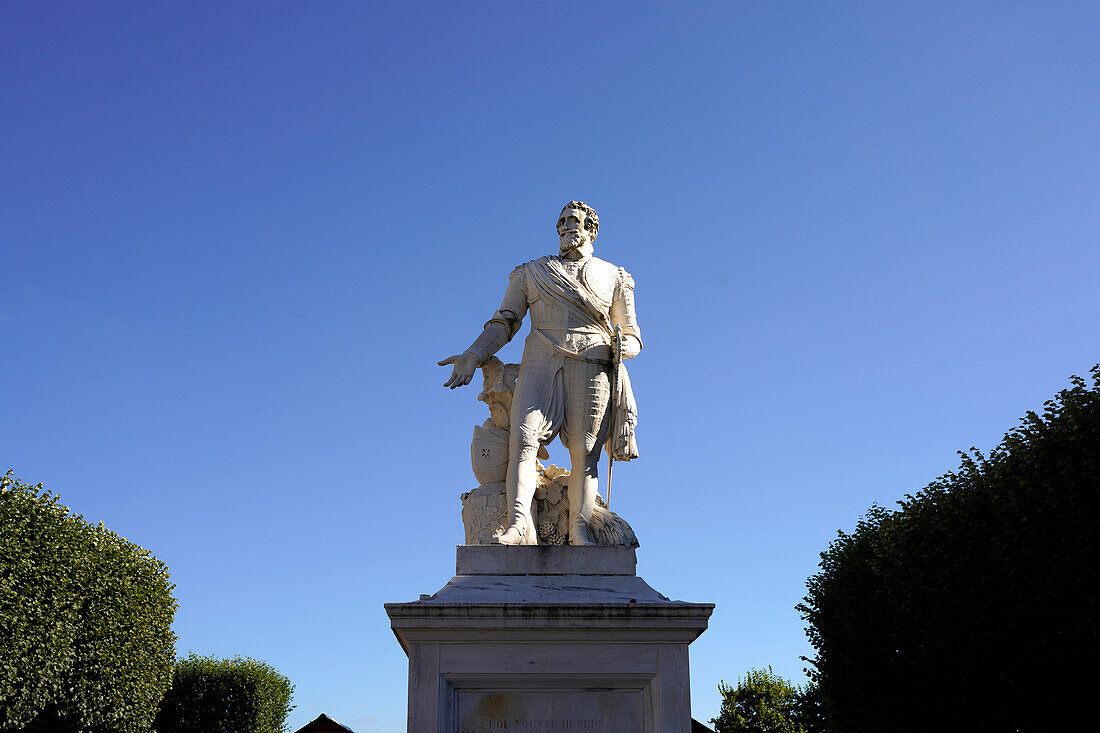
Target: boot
{"type": "Point", "coordinates": [578, 532]}
{"type": "Point", "coordinates": [582, 497]}
{"type": "Point", "coordinates": [519, 533]}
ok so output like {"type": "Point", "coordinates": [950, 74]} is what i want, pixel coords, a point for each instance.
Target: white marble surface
{"type": "Point", "coordinates": [544, 560]}
{"type": "Point", "coordinates": [556, 589]}
{"type": "Point", "coordinates": [485, 511]}
{"type": "Point", "coordinates": [601, 709]}
{"type": "Point", "coordinates": [583, 325]}
{"type": "Point", "coordinates": [548, 648]}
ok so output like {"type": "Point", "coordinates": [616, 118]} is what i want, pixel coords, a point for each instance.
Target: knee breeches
{"type": "Point", "coordinates": [557, 395]}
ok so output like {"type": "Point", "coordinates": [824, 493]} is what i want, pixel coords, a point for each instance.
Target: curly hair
{"type": "Point", "coordinates": [591, 221]}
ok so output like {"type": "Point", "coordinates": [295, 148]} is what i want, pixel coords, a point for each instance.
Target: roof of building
{"type": "Point", "coordinates": [324, 724]}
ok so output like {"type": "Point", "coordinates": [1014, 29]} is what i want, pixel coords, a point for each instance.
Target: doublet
{"type": "Point", "coordinates": [564, 379]}
{"type": "Point", "coordinates": [609, 293]}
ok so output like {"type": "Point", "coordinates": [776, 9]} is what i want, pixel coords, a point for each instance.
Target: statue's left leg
{"type": "Point", "coordinates": [584, 484]}
{"type": "Point", "coordinates": [587, 423]}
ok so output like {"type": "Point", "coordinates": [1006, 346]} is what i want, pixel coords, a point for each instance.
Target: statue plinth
{"type": "Point", "coordinates": [545, 560]}
{"type": "Point", "coordinates": [548, 637]}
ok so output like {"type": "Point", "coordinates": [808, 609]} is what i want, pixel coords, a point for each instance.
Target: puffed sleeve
{"type": "Point", "coordinates": [623, 314]}
{"type": "Point", "coordinates": [506, 322]}
{"type": "Point", "coordinates": [514, 306]}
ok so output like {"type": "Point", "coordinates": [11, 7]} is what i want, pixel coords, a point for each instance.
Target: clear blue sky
{"type": "Point", "coordinates": [236, 237]}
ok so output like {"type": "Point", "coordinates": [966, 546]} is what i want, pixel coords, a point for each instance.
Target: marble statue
{"type": "Point", "coordinates": [571, 381]}
{"type": "Point", "coordinates": [485, 509]}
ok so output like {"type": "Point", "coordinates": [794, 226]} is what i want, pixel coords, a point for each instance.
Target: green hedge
{"type": "Point", "coordinates": [85, 621]}
{"type": "Point", "coordinates": [237, 695]}
{"type": "Point", "coordinates": [973, 606]}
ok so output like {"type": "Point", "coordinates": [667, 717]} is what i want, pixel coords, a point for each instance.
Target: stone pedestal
{"type": "Point", "coordinates": [548, 638]}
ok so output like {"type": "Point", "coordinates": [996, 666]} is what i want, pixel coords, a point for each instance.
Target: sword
{"type": "Point", "coordinates": [616, 361]}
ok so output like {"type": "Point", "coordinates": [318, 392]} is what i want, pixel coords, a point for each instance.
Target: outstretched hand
{"type": "Point", "coordinates": [463, 371]}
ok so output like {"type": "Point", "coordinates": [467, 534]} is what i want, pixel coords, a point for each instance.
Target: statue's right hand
{"type": "Point", "coordinates": [463, 371]}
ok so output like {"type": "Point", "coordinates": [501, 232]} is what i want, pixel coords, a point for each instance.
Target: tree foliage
{"type": "Point", "coordinates": [762, 702]}
{"type": "Point", "coordinates": [238, 695]}
{"type": "Point", "coordinates": [974, 605]}
{"type": "Point", "coordinates": [85, 621]}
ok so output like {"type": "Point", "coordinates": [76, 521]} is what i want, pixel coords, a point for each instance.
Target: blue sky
{"type": "Point", "coordinates": [236, 237]}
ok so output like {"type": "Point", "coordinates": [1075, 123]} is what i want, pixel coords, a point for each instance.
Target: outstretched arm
{"type": "Point", "coordinates": [463, 371]}
{"type": "Point", "coordinates": [498, 331]}
{"type": "Point", "coordinates": [495, 335]}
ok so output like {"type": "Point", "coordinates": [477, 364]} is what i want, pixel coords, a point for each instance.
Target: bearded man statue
{"type": "Point", "coordinates": [571, 380]}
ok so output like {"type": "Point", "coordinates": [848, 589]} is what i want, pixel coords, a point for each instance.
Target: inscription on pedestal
{"type": "Point", "coordinates": [605, 711]}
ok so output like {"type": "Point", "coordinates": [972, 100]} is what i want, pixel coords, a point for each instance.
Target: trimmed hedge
{"type": "Point", "coordinates": [238, 695]}
{"type": "Point", "coordinates": [973, 606]}
{"type": "Point", "coordinates": [85, 621]}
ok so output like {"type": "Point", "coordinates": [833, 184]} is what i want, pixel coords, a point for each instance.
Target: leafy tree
{"type": "Point", "coordinates": [762, 702]}
{"type": "Point", "coordinates": [238, 695]}
{"type": "Point", "coordinates": [85, 621]}
{"type": "Point", "coordinates": [974, 605]}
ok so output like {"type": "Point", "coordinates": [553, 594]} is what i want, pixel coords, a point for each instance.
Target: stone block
{"type": "Point", "coordinates": [545, 560]}
{"type": "Point", "coordinates": [504, 646]}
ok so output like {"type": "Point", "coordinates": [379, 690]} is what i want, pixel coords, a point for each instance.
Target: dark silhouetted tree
{"type": "Point", "coordinates": [974, 605]}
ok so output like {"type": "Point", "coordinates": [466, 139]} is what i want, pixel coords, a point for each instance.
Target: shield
{"type": "Point", "coordinates": [489, 454]}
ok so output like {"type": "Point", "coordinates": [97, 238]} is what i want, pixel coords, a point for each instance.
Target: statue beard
{"type": "Point", "coordinates": [574, 241]}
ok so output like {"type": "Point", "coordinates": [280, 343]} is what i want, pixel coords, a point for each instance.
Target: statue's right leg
{"type": "Point", "coordinates": [536, 418]}
{"type": "Point", "coordinates": [520, 493]}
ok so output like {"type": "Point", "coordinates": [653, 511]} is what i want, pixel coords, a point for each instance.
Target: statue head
{"type": "Point", "coordinates": [578, 226]}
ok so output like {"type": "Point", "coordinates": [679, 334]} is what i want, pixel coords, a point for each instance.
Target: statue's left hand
{"type": "Point", "coordinates": [463, 371]}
